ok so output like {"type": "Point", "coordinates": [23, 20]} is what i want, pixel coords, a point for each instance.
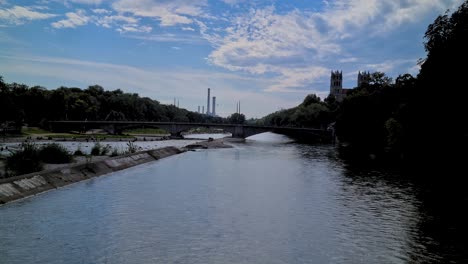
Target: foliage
{"type": "Point", "coordinates": [78, 152]}
{"type": "Point", "coordinates": [54, 153]}
{"type": "Point", "coordinates": [131, 147]}
{"type": "Point", "coordinates": [114, 153]}
{"type": "Point", "coordinates": [96, 149]}
{"type": "Point", "coordinates": [236, 118]}
{"type": "Point", "coordinates": [311, 113]}
{"type": "Point", "coordinates": [24, 160]}
{"type": "Point", "coordinates": [105, 150]}
{"type": "Point", "coordinates": [35, 105]}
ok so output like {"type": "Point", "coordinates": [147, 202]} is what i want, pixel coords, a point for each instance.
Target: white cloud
{"type": "Point", "coordinates": [348, 60]}
{"type": "Point", "coordinates": [188, 29]}
{"type": "Point", "coordinates": [168, 12]}
{"type": "Point", "coordinates": [167, 37]}
{"type": "Point", "coordinates": [101, 11]}
{"type": "Point", "coordinates": [406, 65]}
{"type": "Point", "coordinates": [134, 28]}
{"type": "Point", "coordinates": [175, 48]}
{"type": "Point", "coordinates": [233, 2]}
{"type": "Point", "coordinates": [290, 44]}
{"type": "Point", "coordinates": [109, 21]}
{"type": "Point", "coordinates": [264, 42]}
{"type": "Point", "coordinates": [19, 15]}
{"type": "Point", "coordinates": [88, 2]}
{"type": "Point", "coordinates": [74, 19]}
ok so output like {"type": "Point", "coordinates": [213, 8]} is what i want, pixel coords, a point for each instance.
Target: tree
{"type": "Point", "coordinates": [236, 118]}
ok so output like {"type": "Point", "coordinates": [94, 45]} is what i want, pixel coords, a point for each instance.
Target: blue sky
{"type": "Point", "coordinates": [268, 54]}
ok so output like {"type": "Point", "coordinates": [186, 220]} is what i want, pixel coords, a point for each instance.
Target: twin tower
{"type": "Point", "coordinates": [336, 83]}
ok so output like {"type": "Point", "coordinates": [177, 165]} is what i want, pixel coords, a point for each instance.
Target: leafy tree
{"type": "Point", "coordinates": [236, 118]}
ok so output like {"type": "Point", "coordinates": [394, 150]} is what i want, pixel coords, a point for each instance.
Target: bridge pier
{"type": "Point", "coordinates": [238, 132]}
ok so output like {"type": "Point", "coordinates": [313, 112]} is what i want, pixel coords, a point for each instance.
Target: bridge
{"type": "Point", "coordinates": [176, 128]}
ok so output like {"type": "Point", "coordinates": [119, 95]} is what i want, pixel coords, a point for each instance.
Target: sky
{"type": "Point", "coordinates": [267, 54]}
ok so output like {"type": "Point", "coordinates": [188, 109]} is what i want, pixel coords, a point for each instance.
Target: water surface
{"type": "Point", "coordinates": [262, 202]}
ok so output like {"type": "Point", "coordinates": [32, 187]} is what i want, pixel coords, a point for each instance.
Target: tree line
{"type": "Point", "coordinates": [36, 105]}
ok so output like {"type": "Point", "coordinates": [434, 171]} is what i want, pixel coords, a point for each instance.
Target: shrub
{"type": "Point", "coordinates": [96, 150]}
{"type": "Point", "coordinates": [78, 151]}
{"type": "Point", "coordinates": [131, 148]}
{"type": "Point", "coordinates": [105, 150]}
{"type": "Point", "coordinates": [114, 153]}
{"type": "Point", "coordinates": [54, 153]}
{"type": "Point", "coordinates": [24, 160]}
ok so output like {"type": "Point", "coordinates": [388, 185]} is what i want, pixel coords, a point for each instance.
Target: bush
{"type": "Point", "coordinates": [24, 160]}
{"type": "Point", "coordinates": [105, 150]}
{"type": "Point", "coordinates": [114, 153]}
{"type": "Point", "coordinates": [96, 150]}
{"type": "Point", "coordinates": [131, 148]}
{"type": "Point", "coordinates": [54, 153]}
{"type": "Point", "coordinates": [78, 151]}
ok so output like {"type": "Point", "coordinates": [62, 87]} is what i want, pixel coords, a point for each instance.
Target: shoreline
{"type": "Point", "coordinates": [27, 185]}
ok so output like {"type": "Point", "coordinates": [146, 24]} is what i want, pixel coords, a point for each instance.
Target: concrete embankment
{"type": "Point", "coordinates": [30, 184]}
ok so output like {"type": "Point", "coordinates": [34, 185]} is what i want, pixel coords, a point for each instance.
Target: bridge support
{"type": "Point", "coordinates": [238, 132]}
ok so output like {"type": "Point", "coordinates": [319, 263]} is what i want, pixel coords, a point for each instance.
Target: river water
{"type": "Point", "coordinates": [264, 201]}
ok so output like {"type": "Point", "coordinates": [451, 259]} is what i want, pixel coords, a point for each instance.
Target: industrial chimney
{"type": "Point", "coordinates": [214, 106]}
{"type": "Point", "coordinates": [208, 103]}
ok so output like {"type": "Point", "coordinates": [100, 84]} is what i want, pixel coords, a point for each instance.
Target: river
{"type": "Point", "coordinates": [268, 200]}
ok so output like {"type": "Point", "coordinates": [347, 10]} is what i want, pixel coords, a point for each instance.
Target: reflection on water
{"type": "Point", "coordinates": [261, 202]}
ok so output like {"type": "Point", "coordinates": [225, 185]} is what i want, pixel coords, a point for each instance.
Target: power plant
{"type": "Point", "coordinates": [208, 103]}
{"type": "Point", "coordinates": [208, 108]}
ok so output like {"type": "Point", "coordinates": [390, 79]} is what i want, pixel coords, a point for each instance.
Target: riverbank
{"type": "Point", "coordinates": [23, 186]}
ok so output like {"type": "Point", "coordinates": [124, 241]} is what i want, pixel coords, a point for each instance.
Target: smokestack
{"type": "Point", "coordinates": [208, 103]}
{"type": "Point", "coordinates": [198, 109]}
{"type": "Point", "coordinates": [177, 103]}
{"type": "Point", "coordinates": [174, 101]}
{"type": "Point", "coordinates": [214, 106]}
{"type": "Point", "coordinates": [239, 108]}
{"type": "Point", "coordinates": [203, 109]}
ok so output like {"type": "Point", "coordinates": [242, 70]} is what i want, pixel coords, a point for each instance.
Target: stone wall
{"type": "Point", "coordinates": [30, 184]}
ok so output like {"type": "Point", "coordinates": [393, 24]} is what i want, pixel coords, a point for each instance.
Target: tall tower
{"type": "Point", "coordinates": [208, 103]}
{"type": "Point", "coordinates": [363, 78]}
{"type": "Point", "coordinates": [198, 109]}
{"type": "Point", "coordinates": [336, 82]}
{"type": "Point", "coordinates": [214, 106]}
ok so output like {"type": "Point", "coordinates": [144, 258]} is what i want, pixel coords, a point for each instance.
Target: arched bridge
{"type": "Point", "coordinates": [176, 128]}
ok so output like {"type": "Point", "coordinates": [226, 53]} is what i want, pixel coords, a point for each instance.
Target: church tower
{"type": "Point", "coordinates": [363, 78]}
{"type": "Point", "coordinates": [336, 83]}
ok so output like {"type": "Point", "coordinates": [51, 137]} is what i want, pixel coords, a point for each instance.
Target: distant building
{"type": "Point", "coordinates": [336, 84]}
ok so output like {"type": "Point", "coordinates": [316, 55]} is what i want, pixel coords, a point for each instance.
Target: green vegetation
{"type": "Point", "coordinates": [34, 131]}
{"type": "Point", "coordinates": [34, 106]}
{"type": "Point", "coordinates": [311, 113]}
{"type": "Point", "coordinates": [23, 161]}
{"type": "Point", "coordinates": [146, 131]}
{"type": "Point", "coordinates": [131, 147]}
{"type": "Point", "coordinates": [54, 153]}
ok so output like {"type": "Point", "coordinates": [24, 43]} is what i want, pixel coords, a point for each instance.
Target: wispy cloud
{"type": "Point", "coordinates": [19, 15]}
{"type": "Point", "coordinates": [297, 46]}
{"type": "Point", "coordinates": [74, 19]}
{"type": "Point", "coordinates": [88, 2]}
{"type": "Point", "coordinates": [167, 37]}
{"type": "Point", "coordinates": [101, 11]}
{"type": "Point", "coordinates": [168, 12]}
